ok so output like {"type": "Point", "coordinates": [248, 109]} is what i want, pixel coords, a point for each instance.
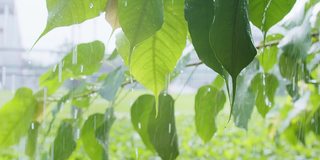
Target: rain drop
{"type": "Point", "coordinates": [4, 75]}
{"type": "Point", "coordinates": [137, 153]}
{"type": "Point", "coordinates": [81, 68]}
{"type": "Point", "coordinates": [32, 126]}
{"type": "Point", "coordinates": [126, 3]}
{"type": "Point", "coordinates": [60, 72]}
{"type": "Point", "coordinates": [139, 125]}
{"type": "Point", "coordinates": [169, 128]}
{"type": "Point", "coordinates": [91, 5]}
{"type": "Point", "coordinates": [45, 90]}
{"type": "Point", "coordinates": [75, 55]}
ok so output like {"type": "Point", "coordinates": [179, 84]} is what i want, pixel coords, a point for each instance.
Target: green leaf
{"type": "Point", "coordinates": [64, 143]}
{"type": "Point", "coordinates": [89, 57]}
{"type": "Point", "coordinates": [140, 19]}
{"type": "Point", "coordinates": [265, 87]}
{"type": "Point", "coordinates": [266, 13]}
{"type": "Point", "coordinates": [218, 82]}
{"type": "Point", "coordinates": [65, 13]}
{"type": "Point", "coordinates": [31, 146]}
{"type": "Point", "coordinates": [268, 58]}
{"type": "Point", "coordinates": [16, 117]}
{"type": "Point", "coordinates": [102, 132]}
{"type": "Point", "coordinates": [112, 84]}
{"type": "Point", "coordinates": [155, 58]}
{"type": "Point", "coordinates": [208, 103]}
{"type": "Point", "coordinates": [199, 15]}
{"type": "Point", "coordinates": [140, 116]}
{"type": "Point", "coordinates": [245, 97]}
{"type": "Point", "coordinates": [88, 137]}
{"type": "Point", "coordinates": [230, 38]}
{"type": "Point", "coordinates": [158, 131]}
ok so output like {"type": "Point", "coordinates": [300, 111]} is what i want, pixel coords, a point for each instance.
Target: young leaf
{"type": "Point", "coordinates": [265, 87]}
{"type": "Point", "coordinates": [230, 38]}
{"type": "Point", "coordinates": [156, 57]}
{"type": "Point", "coordinates": [65, 13]}
{"type": "Point", "coordinates": [64, 143]}
{"type": "Point", "coordinates": [158, 132]}
{"type": "Point", "coordinates": [199, 15]}
{"type": "Point", "coordinates": [16, 117]}
{"type": "Point", "coordinates": [266, 13]}
{"type": "Point", "coordinates": [89, 56]}
{"type": "Point", "coordinates": [208, 103]}
{"type": "Point", "coordinates": [112, 84]}
{"type": "Point", "coordinates": [112, 16]}
{"type": "Point", "coordinates": [140, 19]}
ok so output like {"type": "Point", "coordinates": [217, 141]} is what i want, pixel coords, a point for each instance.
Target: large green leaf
{"type": "Point", "coordinates": [31, 145]}
{"type": "Point", "coordinates": [208, 103]}
{"type": "Point", "coordinates": [230, 38]}
{"type": "Point", "coordinates": [112, 83]}
{"type": "Point", "coordinates": [88, 137]}
{"type": "Point", "coordinates": [89, 57]}
{"type": "Point", "coordinates": [268, 58]}
{"type": "Point", "coordinates": [16, 117]}
{"type": "Point", "coordinates": [140, 19]}
{"type": "Point", "coordinates": [266, 13]}
{"type": "Point", "coordinates": [64, 143]}
{"type": "Point", "coordinates": [69, 12]}
{"type": "Point", "coordinates": [155, 58]}
{"type": "Point", "coordinates": [200, 14]}
{"type": "Point", "coordinates": [265, 87]}
{"type": "Point", "coordinates": [158, 132]}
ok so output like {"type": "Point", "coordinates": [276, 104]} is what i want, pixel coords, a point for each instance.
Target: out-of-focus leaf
{"type": "Point", "coordinates": [218, 82]}
{"type": "Point", "coordinates": [16, 117]}
{"type": "Point", "coordinates": [31, 145]}
{"type": "Point", "coordinates": [180, 66]}
{"type": "Point", "coordinates": [199, 15]}
{"type": "Point", "coordinates": [208, 103]}
{"type": "Point", "coordinates": [161, 129]}
{"type": "Point", "coordinates": [113, 55]}
{"type": "Point", "coordinates": [102, 132]}
{"type": "Point", "coordinates": [266, 13]}
{"type": "Point", "coordinates": [265, 87]}
{"type": "Point", "coordinates": [65, 13]}
{"type": "Point", "coordinates": [112, 16]}
{"type": "Point", "coordinates": [154, 59]}
{"type": "Point", "coordinates": [64, 143]}
{"type": "Point", "coordinates": [140, 19]}
{"type": "Point", "coordinates": [245, 98]}
{"type": "Point", "coordinates": [295, 46]}
{"type": "Point", "coordinates": [268, 58]}
{"type": "Point", "coordinates": [112, 84]}
{"type": "Point", "coordinates": [315, 122]}
{"type": "Point", "coordinates": [88, 137]}
{"type": "Point", "coordinates": [140, 115]}
{"type": "Point", "coordinates": [89, 56]}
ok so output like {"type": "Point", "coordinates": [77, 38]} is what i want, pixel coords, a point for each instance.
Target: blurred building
{"type": "Point", "coordinates": [11, 61]}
